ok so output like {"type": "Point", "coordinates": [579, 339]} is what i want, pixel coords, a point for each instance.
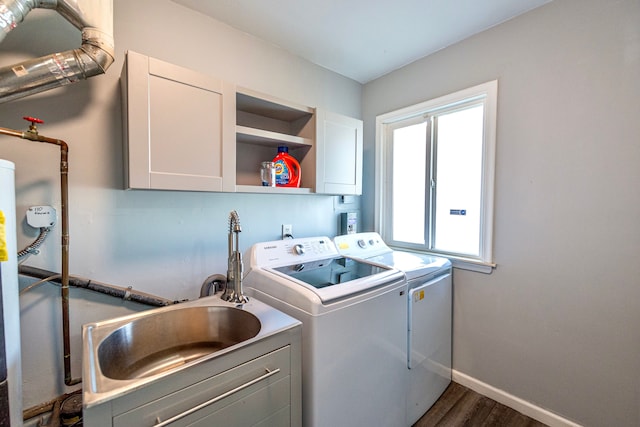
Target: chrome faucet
{"type": "Point", "coordinates": [233, 290]}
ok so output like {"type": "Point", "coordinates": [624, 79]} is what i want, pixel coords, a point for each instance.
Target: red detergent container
{"type": "Point", "coordinates": [288, 171]}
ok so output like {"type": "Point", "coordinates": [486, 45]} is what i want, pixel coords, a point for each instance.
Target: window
{"type": "Point", "coordinates": [434, 176]}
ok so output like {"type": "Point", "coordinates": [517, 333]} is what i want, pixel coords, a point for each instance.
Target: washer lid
{"type": "Point", "coordinates": [312, 267]}
{"type": "Point", "coordinates": [412, 264]}
{"type": "Point", "coordinates": [339, 277]}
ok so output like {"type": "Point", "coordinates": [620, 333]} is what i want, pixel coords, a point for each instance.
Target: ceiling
{"type": "Point", "coordinates": [362, 39]}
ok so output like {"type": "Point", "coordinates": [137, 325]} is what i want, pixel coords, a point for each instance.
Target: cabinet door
{"type": "Point", "coordinates": [244, 395]}
{"type": "Point", "coordinates": [338, 154]}
{"type": "Point", "coordinates": [177, 127]}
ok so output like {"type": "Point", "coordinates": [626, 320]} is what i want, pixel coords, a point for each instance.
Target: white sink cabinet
{"type": "Point", "coordinates": [186, 130]}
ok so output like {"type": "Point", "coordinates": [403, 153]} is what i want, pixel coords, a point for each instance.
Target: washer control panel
{"type": "Point", "coordinates": [280, 252]}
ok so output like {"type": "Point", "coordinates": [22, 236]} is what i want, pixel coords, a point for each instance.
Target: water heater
{"type": "Point", "coordinates": [11, 366]}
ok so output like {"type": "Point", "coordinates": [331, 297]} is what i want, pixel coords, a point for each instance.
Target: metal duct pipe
{"type": "Point", "coordinates": [93, 17]}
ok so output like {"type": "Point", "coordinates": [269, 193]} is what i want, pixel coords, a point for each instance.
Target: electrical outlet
{"type": "Point", "coordinates": [287, 231]}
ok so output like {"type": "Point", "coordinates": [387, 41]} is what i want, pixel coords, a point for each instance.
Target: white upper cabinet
{"type": "Point", "coordinates": [185, 130]}
{"type": "Point", "coordinates": [176, 127]}
{"type": "Point", "coordinates": [338, 153]}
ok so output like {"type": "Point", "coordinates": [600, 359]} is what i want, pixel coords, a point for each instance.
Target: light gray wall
{"type": "Point", "coordinates": [165, 243]}
{"type": "Point", "coordinates": [557, 323]}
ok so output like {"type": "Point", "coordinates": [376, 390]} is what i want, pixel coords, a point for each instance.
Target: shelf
{"type": "Point", "coordinates": [271, 190]}
{"type": "Point", "coordinates": [268, 106]}
{"type": "Point", "coordinates": [248, 135]}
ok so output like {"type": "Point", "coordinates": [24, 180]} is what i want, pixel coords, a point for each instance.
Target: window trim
{"type": "Point", "coordinates": [489, 91]}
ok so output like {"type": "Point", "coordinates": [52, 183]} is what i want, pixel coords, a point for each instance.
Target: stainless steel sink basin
{"type": "Point", "coordinates": [127, 353]}
{"type": "Point", "coordinates": [162, 341]}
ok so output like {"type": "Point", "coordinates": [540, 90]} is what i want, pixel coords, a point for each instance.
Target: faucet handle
{"type": "Point", "coordinates": [32, 127]}
{"type": "Point", "coordinates": [234, 222]}
{"type": "Point", "coordinates": [33, 119]}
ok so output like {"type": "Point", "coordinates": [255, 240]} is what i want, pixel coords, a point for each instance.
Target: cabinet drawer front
{"type": "Point", "coordinates": [268, 406]}
{"type": "Point", "coordinates": [221, 391]}
{"type": "Point", "coordinates": [277, 419]}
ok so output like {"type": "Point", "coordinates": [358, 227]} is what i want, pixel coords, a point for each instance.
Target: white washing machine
{"type": "Point", "coordinates": [429, 304]}
{"type": "Point", "coordinates": [353, 328]}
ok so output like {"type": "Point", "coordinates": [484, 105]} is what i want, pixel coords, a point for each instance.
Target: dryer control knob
{"type": "Point", "coordinates": [298, 249]}
{"type": "Point", "coordinates": [362, 243]}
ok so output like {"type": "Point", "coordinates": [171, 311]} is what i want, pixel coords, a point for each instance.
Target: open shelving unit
{"type": "Point", "coordinates": [263, 123]}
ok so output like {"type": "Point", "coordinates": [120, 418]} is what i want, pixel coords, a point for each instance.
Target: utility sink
{"type": "Point", "coordinates": [124, 354]}
{"type": "Point", "coordinates": [162, 341]}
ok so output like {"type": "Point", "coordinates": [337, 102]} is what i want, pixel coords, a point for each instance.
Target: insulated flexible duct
{"type": "Point", "coordinates": [93, 17]}
{"type": "Point", "coordinates": [126, 294]}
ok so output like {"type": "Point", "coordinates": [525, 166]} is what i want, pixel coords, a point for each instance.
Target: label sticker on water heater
{"type": "Point", "coordinates": [4, 253]}
{"type": "Point", "coordinates": [457, 211]}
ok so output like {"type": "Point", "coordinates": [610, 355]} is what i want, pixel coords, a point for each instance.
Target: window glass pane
{"type": "Point", "coordinates": [408, 183]}
{"type": "Point", "coordinates": [434, 190]}
{"type": "Point", "coordinates": [459, 181]}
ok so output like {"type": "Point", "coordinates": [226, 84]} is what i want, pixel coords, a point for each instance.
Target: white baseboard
{"type": "Point", "coordinates": [520, 405]}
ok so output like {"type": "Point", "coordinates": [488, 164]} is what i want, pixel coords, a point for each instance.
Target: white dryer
{"type": "Point", "coordinates": [429, 319]}
{"type": "Point", "coordinates": [353, 315]}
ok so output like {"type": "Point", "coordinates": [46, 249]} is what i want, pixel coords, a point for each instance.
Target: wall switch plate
{"type": "Point", "coordinates": [348, 223]}
{"type": "Point", "coordinates": [347, 199]}
{"type": "Point", "coordinates": [287, 231]}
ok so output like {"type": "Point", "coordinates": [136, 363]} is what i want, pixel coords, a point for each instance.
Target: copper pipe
{"type": "Point", "coordinates": [32, 135]}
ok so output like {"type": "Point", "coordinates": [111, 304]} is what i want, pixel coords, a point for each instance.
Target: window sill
{"type": "Point", "coordinates": [472, 265]}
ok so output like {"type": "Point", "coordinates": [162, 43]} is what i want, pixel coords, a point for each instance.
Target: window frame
{"type": "Point", "coordinates": [485, 92]}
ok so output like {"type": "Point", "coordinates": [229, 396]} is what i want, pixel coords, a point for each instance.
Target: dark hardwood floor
{"type": "Point", "coordinates": [458, 406]}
